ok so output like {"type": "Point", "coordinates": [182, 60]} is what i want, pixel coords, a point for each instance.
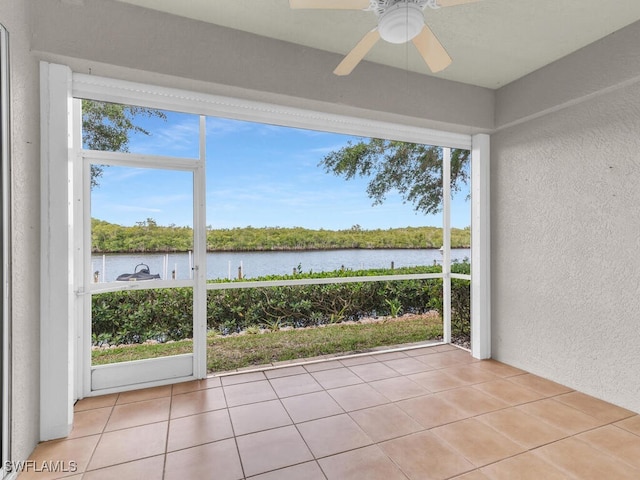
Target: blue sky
{"type": "Point", "coordinates": [258, 175]}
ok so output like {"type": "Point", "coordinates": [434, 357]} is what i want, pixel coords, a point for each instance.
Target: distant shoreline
{"type": "Point", "coordinates": [150, 237]}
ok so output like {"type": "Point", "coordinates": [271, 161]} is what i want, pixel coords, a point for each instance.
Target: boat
{"type": "Point", "coordinates": [140, 272]}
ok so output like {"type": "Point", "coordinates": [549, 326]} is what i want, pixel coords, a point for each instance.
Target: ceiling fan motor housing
{"type": "Point", "coordinates": [401, 22]}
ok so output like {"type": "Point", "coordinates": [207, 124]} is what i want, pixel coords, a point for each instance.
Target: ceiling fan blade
{"type": "Point", "coordinates": [330, 4]}
{"type": "Point", "coordinates": [451, 3]}
{"type": "Point", "coordinates": [432, 51]}
{"type": "Point", "coordinates": [359, 51]}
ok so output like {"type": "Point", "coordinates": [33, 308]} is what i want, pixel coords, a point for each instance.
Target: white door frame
{"type": "Point", "coordinates": [102, 379]}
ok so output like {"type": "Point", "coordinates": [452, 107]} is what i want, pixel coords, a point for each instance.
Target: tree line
{"type": "Point", "coordinates": [148, 236]}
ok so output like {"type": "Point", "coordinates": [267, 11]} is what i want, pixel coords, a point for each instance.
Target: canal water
{"type": "Point", "coordinates": [258, 264]}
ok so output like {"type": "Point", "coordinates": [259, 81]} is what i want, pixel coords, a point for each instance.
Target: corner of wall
{"type": "Point", "coordinates": [608, 64]}
{"type": "Point", "coordinates": [25, 155]}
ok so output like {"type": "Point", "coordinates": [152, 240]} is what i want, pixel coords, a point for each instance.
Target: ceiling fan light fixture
{"type": "Point", "coordinates": [401, 23]}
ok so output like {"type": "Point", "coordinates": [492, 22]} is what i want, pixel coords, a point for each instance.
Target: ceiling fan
{"type": "Point", "coordinates": [399, 21]}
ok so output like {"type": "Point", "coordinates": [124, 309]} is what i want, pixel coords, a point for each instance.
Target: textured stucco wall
{"type": "Point", "coordinates": [25, 150]}
{"type": "Point", "coordinates": [566, 246]}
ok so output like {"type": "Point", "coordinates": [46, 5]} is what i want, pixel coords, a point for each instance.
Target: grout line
{"type": "Point", "coordinates": [233, 430]}
{"type": "Point", "coordinates": [166, 441]}
{"type": "Point", "coordinates": [86, 469]}
{"type": "Point", "coordinates": [295, 424]}
{"type": "Point", "coordinates": [314, 460]}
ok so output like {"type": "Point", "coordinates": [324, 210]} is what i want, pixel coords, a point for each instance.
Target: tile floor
{"type": "Point", "coordinates": [419, 414]}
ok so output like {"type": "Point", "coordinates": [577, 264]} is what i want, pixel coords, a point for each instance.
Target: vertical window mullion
{"type": "Point", "coordinates": [446, 244]}
{"type": "Point", "coordinates": [200, 256]}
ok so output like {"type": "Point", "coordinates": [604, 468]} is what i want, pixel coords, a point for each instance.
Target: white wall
{"type": "Point", "coordinates": [25, 150]}
{"type": "Point", "coordinates": [566, 241]}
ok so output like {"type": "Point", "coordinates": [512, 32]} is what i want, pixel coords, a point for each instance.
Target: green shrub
{"type": "Point", "coordinates": [461, 301]}
{"type": "Point", "coordinates": [138, 316]}
{"type": "Point", "coordinates": [166, 314]}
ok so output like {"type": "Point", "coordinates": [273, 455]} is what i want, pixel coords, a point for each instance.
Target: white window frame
{"type": "Point", "coordinates": [58, 88]}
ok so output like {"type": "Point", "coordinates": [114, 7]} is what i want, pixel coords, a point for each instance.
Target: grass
{"type": "Point", "coordinates": [227, 353]}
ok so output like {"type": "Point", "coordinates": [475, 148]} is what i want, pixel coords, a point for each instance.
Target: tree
{"type": "Point", "coordinates": [108, 127]}
{"type": "Point", "coordinates": [414, 170]}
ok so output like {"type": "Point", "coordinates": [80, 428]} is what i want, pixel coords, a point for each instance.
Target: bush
{"type": "Point", "coordinates": [461, 302]}
{"type": "Point", "coordinates": [138, 316]}
{"type": "Point", "coordinates": [166, 314]}
{"type": "Point", "coordinates": [312, 305]}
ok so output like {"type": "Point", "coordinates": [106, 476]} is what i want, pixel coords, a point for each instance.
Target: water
{"type": "Point", "coordinates": [257, 264]}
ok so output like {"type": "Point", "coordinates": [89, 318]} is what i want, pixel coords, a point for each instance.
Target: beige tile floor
{"type": "Point", "coordinates": [419, 414]}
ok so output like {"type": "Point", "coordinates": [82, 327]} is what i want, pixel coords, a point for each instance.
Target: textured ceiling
{"type": "Point", "coordinates": [492, 42]}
